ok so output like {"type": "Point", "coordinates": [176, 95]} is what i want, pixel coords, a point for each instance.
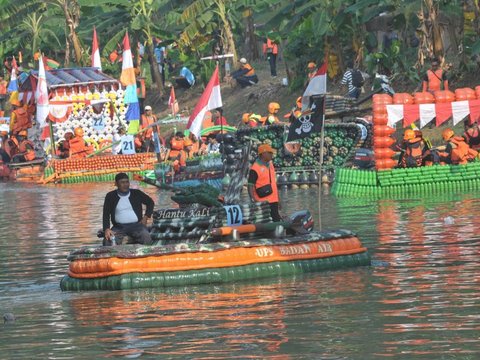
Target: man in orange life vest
{"type": "Point", "coordinates": [176, 145]}
{"type": "Point", "coordinates": [148, 119]}
{"type": "Point", "coordinates": [78, 146]}
{"type": "Point", "coordinates": [20, 119]}
{"type": "Point", "coordinates": [434, 78]}
{"type": "Point", "coordinates": [262, 181]}
{"type": "Point", "coordinates": [270, 50]}
{"type": "Point", "coordinates": [413, 149]}
{"type": "Point", "coordinates": [457, 151]}
{"type": "Point", "coordinates": [472, 134]}
{"type": "Point", "coordinates": [26, 149]}
{"type": "Point", "coordinates": [245, 76]}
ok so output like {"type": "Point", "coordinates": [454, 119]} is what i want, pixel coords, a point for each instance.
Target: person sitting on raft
{"type": "Point", "coordinates": [26, 148]}
{"type": "Point", "coordinates": [176, 145]}
{"type": "Point", "coordinates": [78, 147]}
{"type": "Point", "coordinates": [213, 146]}
{"type": "Point", "coordinates": [251, 120]}
{"type": "Point", "coordinates": [472, 133]}
{"type": "Point", "coordinates": [123, 208]}
{"type": "Point", "coordinates": [272, 117]}
{"type": "Point", "coordinates": [63, 148]}
{"type": "Point", "coordinates": [412, 149]}
{"type": "Point", "coordinates": [457, 150]}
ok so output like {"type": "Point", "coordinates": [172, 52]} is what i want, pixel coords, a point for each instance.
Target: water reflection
{"type": "Point", "coordinates": [423, 305]}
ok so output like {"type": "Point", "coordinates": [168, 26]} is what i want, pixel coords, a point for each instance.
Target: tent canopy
{"type": "Point", "coordinates": [58, 78]}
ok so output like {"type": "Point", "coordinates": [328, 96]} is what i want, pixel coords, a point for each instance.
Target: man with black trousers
{"type": "Point", "coordinates": [123, 207]}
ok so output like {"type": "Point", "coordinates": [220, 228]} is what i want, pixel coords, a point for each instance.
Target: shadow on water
{"type": "Point", "coordinates": [423, 305]}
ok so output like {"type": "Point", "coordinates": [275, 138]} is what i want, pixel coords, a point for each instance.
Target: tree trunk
{"type": "Point", "coordinates": [66, 62]}
{"type": "Point", "coordinates": [228, 34]}
{"type": "Point", "coordinates": [156, 77]}
{"type": "Point", "coordinates": [251, 48]}
{"type": "Point", "coordinates": [71, 20]}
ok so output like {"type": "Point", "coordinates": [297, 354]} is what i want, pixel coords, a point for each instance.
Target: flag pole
{"type": "Point", "coordinates": [320, 163]}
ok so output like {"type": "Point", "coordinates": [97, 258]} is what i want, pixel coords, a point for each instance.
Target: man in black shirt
{"type": "Point", "coordinates": [123, 207]}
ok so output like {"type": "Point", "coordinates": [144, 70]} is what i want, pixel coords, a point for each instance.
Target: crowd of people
{"type": "Point", "coordinates": [458, 150]}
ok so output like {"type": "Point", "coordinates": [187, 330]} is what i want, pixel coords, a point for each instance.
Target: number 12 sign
{"type": "Point", "coordinates": [234, 215]}
{"type": "Point", "coordinates": [128, 144]}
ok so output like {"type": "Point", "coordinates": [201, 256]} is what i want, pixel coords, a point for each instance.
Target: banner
{"type": "Point", "coordinates": [309, 123]}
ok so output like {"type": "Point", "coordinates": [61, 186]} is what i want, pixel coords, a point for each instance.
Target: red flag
{"type": "Point", "coordinates": [210, 99]}
{"type": "Point", "coordinates": [96, 51]}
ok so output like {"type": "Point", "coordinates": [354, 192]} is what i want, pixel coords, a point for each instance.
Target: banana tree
{"type": "Point", "coordinates": [201, 17]}
{"type": "Point", "coordinates": [36, 32]}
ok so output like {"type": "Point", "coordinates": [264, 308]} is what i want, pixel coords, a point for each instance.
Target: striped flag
{"type": "Point", "coordinates": [316, 86]}
{"type": "Point", "coordinates": [41, 95]}
{"type": "Point", "coordinates": [127, 78]}
{"type": "Point", "coordinates": [96, 51]}
{"type": "Point", "coordinates": [13, 85]}
{"type": "Point", "coordinates": [210, 99]}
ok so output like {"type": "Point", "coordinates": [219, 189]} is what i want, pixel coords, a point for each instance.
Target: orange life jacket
{"type": "Point", "coordinates": [413, 148]}
{"type": "Point", "coordinates": [22, 120]}
{"type": "Point", "coordinates": [146, 121]}
{"type": "Point", "coordinates": [78, 148]}
{"type": "Point", "coordinates": [270, 47]}
{"type": "Point", "coordinates": [461, 152]}
{"type": "Point", "coordinates": [472, 137]}
{"type": "Point", "coordinates": [266, 175]}
{"type": "Point", "coordinates": [175, 147]}
{"type": "Point", "coordinates": [250, 72]}
{"type": "Point", "coordinates": [3, 87]}
{"type": "Point", "coordinates": [435, 80]}
{"type": "Point", "coordinates": [26, 148]}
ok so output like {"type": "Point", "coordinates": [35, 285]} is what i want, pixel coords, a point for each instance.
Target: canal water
{"type": "Point", "coordinates": [420, 300]}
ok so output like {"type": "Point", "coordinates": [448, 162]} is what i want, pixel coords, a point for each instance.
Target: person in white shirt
{"type": "Point", "coordinates": [123, 208]}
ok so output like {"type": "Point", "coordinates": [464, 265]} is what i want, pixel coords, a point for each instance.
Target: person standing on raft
{"type": "Point", "coordinates": [262, 181]}
{"type": "Point", "coordinates": [123, 207]}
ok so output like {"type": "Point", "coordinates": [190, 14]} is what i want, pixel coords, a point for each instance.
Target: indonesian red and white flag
{"type": "Point", "coordinates": [172, 102]}
{"type": "Point", "coordinates": [210, 99]}
{"type": "Point", "coordinates": [96, 51]}
{"type": "Point", "coordinates": [316, 86]}
{"type": "Point", "coordinates": [41, 95]}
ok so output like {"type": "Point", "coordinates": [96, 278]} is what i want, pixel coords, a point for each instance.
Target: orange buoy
{"type": "Point", "coordinates": [463, 94]}
{"type": "Point", "coordinates": [402, 98]}
{"type": "Point", "coordinates": [444, 96]}
{"type": "Point", "coordinates": [424, 98]}
{"type": "Point", "coordinates": [477, 91]}
{"type": "Point", "coordinates": [385, 164]}
{"type": "Point", "coordinates": [379, 109]}
{"type": "Point", "coordinates": [380, 119]}
{"type": "Point", "coordinates": [382, 130]}
{"type": "Point", "coordinates": [382, 99]}
{"type": "Point", "coordinates": [383, 142]}
{"type": "Point", "coordinates": [383, 153]}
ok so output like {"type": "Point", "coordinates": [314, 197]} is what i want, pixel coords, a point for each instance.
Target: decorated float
{"type": "Point", "coordinates": [296, 163]}
{"type": "Point", "coordinates": [426, 108]}
{"type": "Point", "coordinates": [203, 245]}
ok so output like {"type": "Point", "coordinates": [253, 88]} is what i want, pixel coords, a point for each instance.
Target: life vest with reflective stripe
{"type": "Point", "coordinates": [265, 175]}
